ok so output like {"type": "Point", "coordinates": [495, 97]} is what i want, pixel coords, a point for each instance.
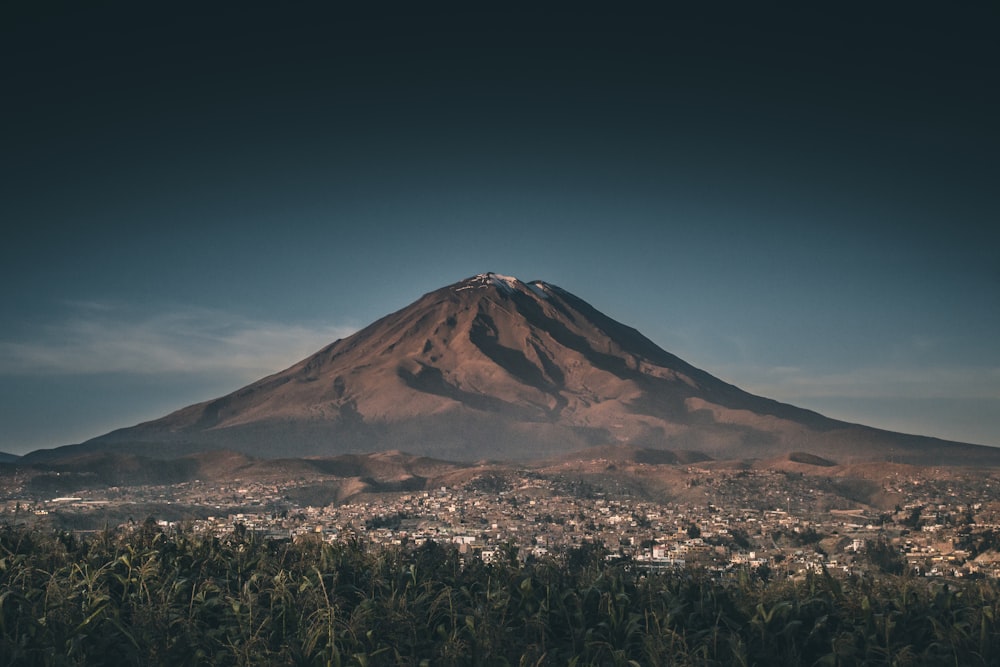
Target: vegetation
{"type": "Point", "coordinates": [153, 598]}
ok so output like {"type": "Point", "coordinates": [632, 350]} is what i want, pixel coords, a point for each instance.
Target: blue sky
{"type": "Point", "coordinates": [803, 204]}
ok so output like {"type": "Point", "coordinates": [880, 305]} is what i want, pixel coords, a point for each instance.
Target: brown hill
{"type": "Point", "coordinates": [810, 459]}
{"type": "Point", "coordinates": [346, 475]}
{"type": "Point", "coordinates": [494, 368]}
{"type": "Point", "coordinates": [622, 454]}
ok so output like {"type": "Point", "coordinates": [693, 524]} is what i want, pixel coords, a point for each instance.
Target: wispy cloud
{"type": "Point", "coordinates": [918, 366]}
{"type": "Point", "coordinates": [878, 382]}
{"type": "Point", "coordinates": [98, 338]}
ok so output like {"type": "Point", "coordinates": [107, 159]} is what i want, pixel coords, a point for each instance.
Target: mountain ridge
{"type": "Point", "coordinates": [493, 367]}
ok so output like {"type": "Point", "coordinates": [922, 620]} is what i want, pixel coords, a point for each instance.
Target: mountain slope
{"type": "Point", "coordinates": [492, 367]}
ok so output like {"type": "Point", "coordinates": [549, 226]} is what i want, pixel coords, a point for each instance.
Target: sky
{"type": "Point", "coordinates": [801, 200]}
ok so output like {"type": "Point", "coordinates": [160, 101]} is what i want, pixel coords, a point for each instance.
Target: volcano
{"type": "Point", "coordinates": [499, 369]}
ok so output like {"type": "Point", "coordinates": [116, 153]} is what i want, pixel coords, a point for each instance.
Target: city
{"type": "Point", "coordinates": [935, 522]}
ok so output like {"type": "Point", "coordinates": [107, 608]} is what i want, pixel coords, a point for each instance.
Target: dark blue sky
{"type": "Point", "coordinates": [804, 203]}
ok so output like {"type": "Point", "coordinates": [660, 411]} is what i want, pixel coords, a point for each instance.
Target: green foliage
{"type": "Point", "coordinates": [912, 520]}
{"type": "Point", "coordinates": [884, 556]}
{"type": "Point", "coordinates": [151, 598]}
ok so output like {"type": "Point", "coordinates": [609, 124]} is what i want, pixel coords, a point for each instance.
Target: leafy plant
{"type": "Point", "coordinates": [147, 597]}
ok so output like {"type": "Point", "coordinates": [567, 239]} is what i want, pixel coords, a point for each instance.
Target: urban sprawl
{"type": "Point", "coordinates": [774, 522]}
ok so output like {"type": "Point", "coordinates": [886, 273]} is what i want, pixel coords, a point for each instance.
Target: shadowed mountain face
{"type": "Point", "coordinates": [494, 368]}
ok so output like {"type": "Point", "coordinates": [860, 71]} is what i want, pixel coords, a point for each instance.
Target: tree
{"type": "Point", "coordinates": [884, 556]}
{"type": "Point", "coordinates": [913, 520]}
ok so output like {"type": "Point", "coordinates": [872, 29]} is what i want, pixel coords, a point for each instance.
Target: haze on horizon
{"type": "Point", "coordinates": [802, 204]}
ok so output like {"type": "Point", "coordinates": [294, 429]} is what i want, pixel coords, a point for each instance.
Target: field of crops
{"type": "Point", "coordinates": [151, 598]}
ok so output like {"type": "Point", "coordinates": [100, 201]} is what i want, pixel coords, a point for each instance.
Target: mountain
{"type": "Point", "coordinates": [495, 368]}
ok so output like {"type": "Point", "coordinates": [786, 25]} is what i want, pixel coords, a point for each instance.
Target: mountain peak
{"type": "Point", "coordinates": [494, 367]}
{"type": "Point", "coordinates": [487, 280]}
{"type": "Point", "coordinates": [505, 284]}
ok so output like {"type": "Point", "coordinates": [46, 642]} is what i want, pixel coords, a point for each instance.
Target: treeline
{"type": "Point", "coordinates": [147, 597]}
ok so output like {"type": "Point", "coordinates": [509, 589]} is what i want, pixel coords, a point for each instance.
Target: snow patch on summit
{"type": "Point", "coordinates": [507, 284]}
{"type": "Point", "coordinates": [539, 289]}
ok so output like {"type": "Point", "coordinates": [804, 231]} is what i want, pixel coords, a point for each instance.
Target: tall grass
{"type": "Point", "coordinates": [153, 598]}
